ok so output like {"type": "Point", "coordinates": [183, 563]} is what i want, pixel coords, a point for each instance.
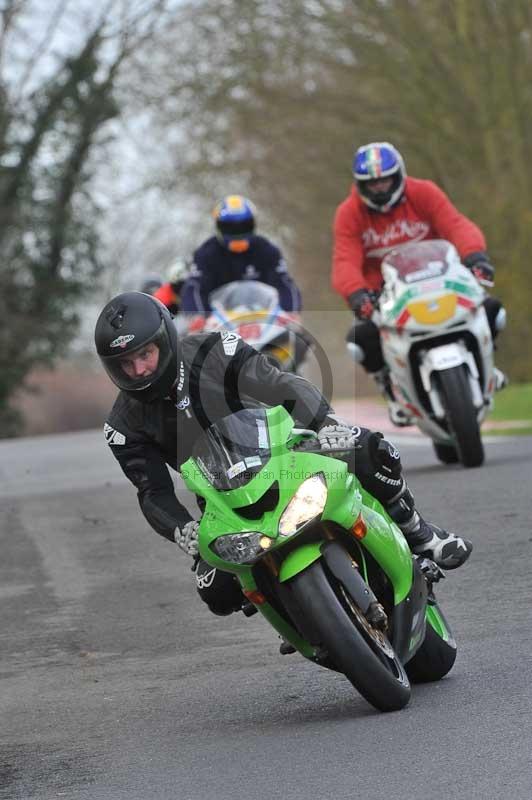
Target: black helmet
{"type": "Point", "coordinates": [129, 322]}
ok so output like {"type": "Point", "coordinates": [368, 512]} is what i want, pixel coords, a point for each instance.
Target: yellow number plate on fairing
{"type": "Point", "coordinates": [433, 312]}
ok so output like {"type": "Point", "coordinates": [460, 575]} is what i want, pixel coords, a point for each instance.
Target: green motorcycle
{"type": "Point", "coordinates": [317, 555]}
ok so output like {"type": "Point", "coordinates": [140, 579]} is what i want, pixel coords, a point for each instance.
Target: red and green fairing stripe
{"type": "Point", "coordinates": [461, 288]}
{"type": "Point", "coordinates": [400, 315]}
{"type": "Point", "coordinates": [405, 298]}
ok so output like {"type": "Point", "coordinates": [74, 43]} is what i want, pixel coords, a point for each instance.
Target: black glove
{"type": "Point", "coordinates": [362, 304]}
{"type": "Point", "coordinates": [481, 267]}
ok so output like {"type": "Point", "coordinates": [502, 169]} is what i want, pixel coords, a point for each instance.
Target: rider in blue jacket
{"type": "Point", "coordinates": [235, 253]}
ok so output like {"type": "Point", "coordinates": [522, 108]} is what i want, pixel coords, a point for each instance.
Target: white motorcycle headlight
{"type": "Point", "coordinates": [241, 548]}
{"type": "Point", "coordinates": [307, 503]}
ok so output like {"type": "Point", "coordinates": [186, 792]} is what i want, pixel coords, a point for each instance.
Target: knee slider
{"type": "Point", "coordinates": [219, 590]}
{"type": "Point", "coordinates": [356, 352]}
{"type": "Point", "coordinates": [500, 319]}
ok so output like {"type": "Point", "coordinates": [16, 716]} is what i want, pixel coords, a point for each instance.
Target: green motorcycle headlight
{"type": "Point", "coordinates": [241, 548]}
{"type": "Point", "coordinates": [307, 503]}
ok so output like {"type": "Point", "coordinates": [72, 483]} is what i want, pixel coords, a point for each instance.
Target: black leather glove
{"type": "Point", "coordinates": [362, 304]}
{"type": "Point", "coordinates": [481, 267]}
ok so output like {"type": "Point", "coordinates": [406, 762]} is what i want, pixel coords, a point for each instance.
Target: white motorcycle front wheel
{"type": "Point", "coordinates": [446, 453]}
{"type": "Point", "coordinates": [461, 415]}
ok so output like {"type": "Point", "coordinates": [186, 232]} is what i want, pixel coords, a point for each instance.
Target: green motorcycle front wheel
{"type": "Point", "coordinates": [361, 652]}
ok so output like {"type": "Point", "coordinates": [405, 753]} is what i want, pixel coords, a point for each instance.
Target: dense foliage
{"type": "Point", "coordinates": [268, 98]}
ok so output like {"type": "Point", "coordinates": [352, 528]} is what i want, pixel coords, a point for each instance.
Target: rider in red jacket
{"type": "Point", "coordinates": [385, 209]}
{"type": "Point", "coordinates": [169, 292]}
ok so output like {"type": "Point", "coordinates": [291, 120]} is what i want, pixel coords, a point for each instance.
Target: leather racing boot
{"type": "Point", "coordinates": [446, 549]}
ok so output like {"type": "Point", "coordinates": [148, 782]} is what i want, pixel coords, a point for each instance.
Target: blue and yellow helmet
{"type": "Point", "coordinates": [235, 222]}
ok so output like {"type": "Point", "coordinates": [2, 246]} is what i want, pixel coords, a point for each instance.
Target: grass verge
{"type": "Point", "coordinates": [513, 404]}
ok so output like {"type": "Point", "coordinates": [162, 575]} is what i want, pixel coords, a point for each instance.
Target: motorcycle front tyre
{"type": "Point", "coordinates": [446, 453]}
{"type": "Point", "coordinates": [352, 645]}
{"type": "Point", "coordinates": [461, 415]}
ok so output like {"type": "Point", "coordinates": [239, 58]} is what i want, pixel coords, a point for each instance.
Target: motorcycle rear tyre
{"type": "Point", "coordinates": [433, 660]}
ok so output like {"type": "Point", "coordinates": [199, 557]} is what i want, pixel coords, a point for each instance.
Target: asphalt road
{"type": "Point", "coordinates": [116, 682]}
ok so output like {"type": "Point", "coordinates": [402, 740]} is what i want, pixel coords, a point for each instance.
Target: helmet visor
{"type": "Point", "coordinates": [379, 192]}
{"type": "Point", "coordinates": [137, 368]}
{"type": "Point", "coordinates": [239, 227]}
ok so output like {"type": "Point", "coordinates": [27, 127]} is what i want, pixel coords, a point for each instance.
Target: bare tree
{"type": "Point", "coordinates": [50, 253]}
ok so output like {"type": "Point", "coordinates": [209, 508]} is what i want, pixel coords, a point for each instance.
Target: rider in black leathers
{"type": "Point", "coordinates": [235, 253]}
{"type": "Point", "coordinates": [172, 389]}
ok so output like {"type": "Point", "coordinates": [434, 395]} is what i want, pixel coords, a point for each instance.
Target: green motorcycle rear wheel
{"type": "Point", "coordinates": [433, 660]}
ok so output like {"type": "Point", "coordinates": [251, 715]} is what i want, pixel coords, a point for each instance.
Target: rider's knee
{"type": "Point", "coordinates": [377, 464]}
{"type": "Point", "coordinates": [219, 590]}
{"type": "Point", "coordinates": [496, 314]}
{"type": "Point", "coordinates": [363, 341]}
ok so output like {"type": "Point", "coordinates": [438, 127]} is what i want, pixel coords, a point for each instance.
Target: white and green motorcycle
{"type": "Point", "coordinates": [437, 344]}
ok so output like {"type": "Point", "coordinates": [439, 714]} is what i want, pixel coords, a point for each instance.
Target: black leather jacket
{"type": "Point", "coordinates": [217, 374]}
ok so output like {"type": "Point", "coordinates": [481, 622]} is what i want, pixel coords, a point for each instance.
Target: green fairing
{"type": "Point", "coordinates": [286, 631]}
{"type": "Point", "coordinates": [387, 545]}
{"type": "Point", "coordinates": [345, 501]}
{"type": "Point", "coordinates": [298, 560]}
{"type": "Point", "coordinates": [437, 621]}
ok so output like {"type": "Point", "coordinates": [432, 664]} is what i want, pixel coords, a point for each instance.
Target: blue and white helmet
{"type": "Point", "coordinates": [376, 161]}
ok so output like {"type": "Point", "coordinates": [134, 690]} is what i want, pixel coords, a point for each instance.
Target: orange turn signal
{"type": "Point", "coordinates": [359, 528]}
{"type": "Point", "coordinates": [255, 597]}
